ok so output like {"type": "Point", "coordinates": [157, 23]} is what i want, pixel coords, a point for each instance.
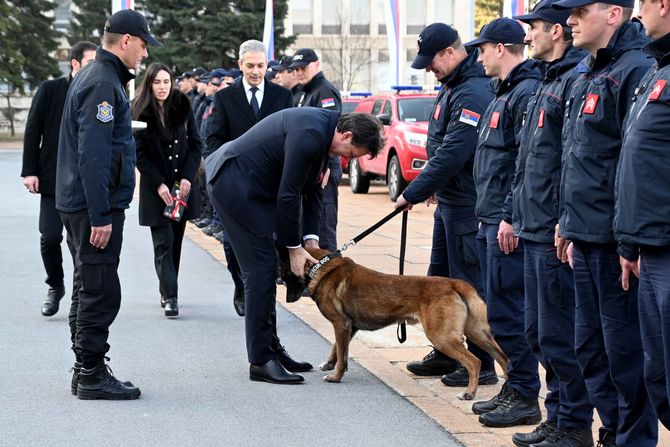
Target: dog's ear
{"type": "Point", "coordinates": [294, 286]}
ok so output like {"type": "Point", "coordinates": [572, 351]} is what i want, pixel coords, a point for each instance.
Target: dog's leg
{"type": "Point", "coordinates": [480, 334]}
{"type": "Point", "coordinates": [342, 338]}
{"type": "Point", "coordinates": [329, 364]}
{"type": "Point", "coordinates": [454, 348]}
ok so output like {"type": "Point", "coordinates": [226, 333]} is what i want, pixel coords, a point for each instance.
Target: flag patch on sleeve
{"type": "Point", "coordinates": [469, 117]}
{"type": "Point", "coordinates": [328, 102]}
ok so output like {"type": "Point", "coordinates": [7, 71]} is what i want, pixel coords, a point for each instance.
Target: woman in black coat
{"type": "Point", "coordinates": [168, 156]}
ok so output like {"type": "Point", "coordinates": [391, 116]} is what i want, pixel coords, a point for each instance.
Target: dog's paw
{"type": "Point", "coordinates": [332, 378]}
{"type": "Point", "coordinates": [466, 396]}
{"type": "Point", "coordinates": [327, 366]}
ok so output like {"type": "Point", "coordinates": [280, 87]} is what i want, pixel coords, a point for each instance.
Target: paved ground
{"type": "Point", "coordinates": [192, 371]}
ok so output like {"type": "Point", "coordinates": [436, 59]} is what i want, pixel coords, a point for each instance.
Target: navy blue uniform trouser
{"type": "Point", "coordinates": [505, 309]}
{"type": "Point", "coordinates": [98, 300]}
{"type": "Point", "coordinates": [550, 332]}
{"type": "Point", "coordinates": [609, 346]}
{"type": "Point", "coordinates": [454, 255]}
{"type": "Point", "coordinates": [167, 241]}
{"type": "Point", "coordinates": [654, 306]}
{"type": "Point", "coordinates": [328, 226]}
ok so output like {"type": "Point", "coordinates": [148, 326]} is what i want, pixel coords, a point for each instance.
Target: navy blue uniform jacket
{"type": "Point", "coordinates": [642, 207]}
{"type": "Point", "coordinates": [452, 137]}
{"type": "Point", "coordinates": [538, 175]}
{"type": "Point", "coordinates": [96, 150]}
{"type": "Point", "coordinates": [275, 163]}
{"type": "Point", "coordinates": [498, 143]}
{"type": "Point", "coordinates": [598, 103]}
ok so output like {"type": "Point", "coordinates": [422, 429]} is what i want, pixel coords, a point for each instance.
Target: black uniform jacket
{"type": "Point", "coordinates": [40, 141]}
{"type": "Point", "coordinates": [452, 137]}
{"type": "Point", "coordinates": [498, 143]}
{"type": "Point", "coordinates": [538, 175]}
{"type": "Point", "coordinates": [597, 105]}
{"type": "Point", "coordinates": [96, 149]}
{"type": "Point", "coordinates": [232, 114]}
{"type": "Point", "coordinates": [268, 169]}
{"type": "Point", "coordinates": [167, 154]}
{"type": "Point", "coordinates": [642, 207]}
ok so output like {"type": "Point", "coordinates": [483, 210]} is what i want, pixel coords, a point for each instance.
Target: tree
{"type": "Point", "coordinates": [209, 33]}
{"type": "Point", "coordinates": [485, 11]}
{"type": "Point", "coordinates": [88, 22]}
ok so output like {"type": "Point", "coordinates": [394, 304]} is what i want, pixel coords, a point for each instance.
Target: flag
{"type": "Point", "coordinates": [391, 8]}
{"type": "Point", "coordinates": [514, 8]}
{"type": "Point", "coordinates": [120, 5]}
{"type": "Point", "coordinates": [269, 30]}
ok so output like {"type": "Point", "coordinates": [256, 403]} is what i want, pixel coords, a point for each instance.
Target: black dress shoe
{"type": "Point", "coordinates": [52, 300]}
{"type": "Point", "coordinates": [433, 364]}
{"type": "Point", "coordinates": [460, 377]}
{"type": "Point", "coordinates": [99, 383]}
{"type": "Point", "coordinates": [171, 307]}
{"type": "Point", "coordinates": [290, 364]}
{"type": "Point", "coordinates": [273, 372]}
{"type": "Point", "coordinates": [163, 299]}
{"type": "Point", "coordinates": [489, 405]}
{"type": "Point", "coordinates": [513, 410]}
{"type": "Point", "coordinates": [76, 369]}
{"type": "Point", "coordinates": [541, 432]}
{"type": "Point", "coordinates": [238, 301]}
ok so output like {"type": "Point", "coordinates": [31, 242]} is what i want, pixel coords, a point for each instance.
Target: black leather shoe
{"type": "Point", "coordinates": [273, 372]}
{"type": "Point", "coordinates": [99, 383]}
{"type": "Point", "coordinates": [289, 363]}
{"type": "Point", "coordinates": [567, 438]}
{"type": "Point", "coordinates": [541, 432]}
{"type": "Point", "coordinates": [433, 364]}
{"type": "Point", "coordinates": [238, 301]}
{"type": "Point", "coordinates": [219, 236]}
{"type": "Point", "coordinates": [210, 229]}
{"type": "Point", "coordinates": [52, 300]}
{"type": "Point", "coordinates": [163, 300]}
{"type": "Point", "coordinates": [203, 222]}
{"type": "Point", "coordinates": [76, 369]}
{"type": "Point", "coordinates": [489, 405]}
{"type": "Point", "coordinates": [513, 411]}
{"type": "Point", "coordinates": [460, 377]}
{"type": "Point", "coordinates": [171, 307]}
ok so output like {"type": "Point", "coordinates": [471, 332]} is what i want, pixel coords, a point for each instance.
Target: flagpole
{"type": "Point", "coordinates": [268, 30]}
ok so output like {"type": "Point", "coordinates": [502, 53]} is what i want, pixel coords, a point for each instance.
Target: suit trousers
{"type": "Point", "coordinates": [51, 236]}
{"type": "Point", "coordinates": [97, 303]}
{"type": "Point", "coordinates": [608, 344]}
{"type": "Point", "coordinates": [505, 309]}
{"type": "Point", "coordinates": [231, 260]}
{"type": "Point", "coordinates": [167, 241]}
{"type": "Point", "coordinates": [550, 332]}
{"type": "Point", "coordinates": [654, 306]}
{"type": "Point", "coordinates": [454, 255]}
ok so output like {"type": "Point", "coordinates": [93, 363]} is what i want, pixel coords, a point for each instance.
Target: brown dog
{"type": "Point", "coordinates": [353, 297]}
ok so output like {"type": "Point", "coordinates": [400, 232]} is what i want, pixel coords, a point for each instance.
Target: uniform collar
{"type": "Point", "coordinates": [109, 58]}
{"type": "Point", "coordinates": [469, 67]}
{"type": "Point", "coordinates": [314, 81]}
{"type": "Point", "coordinates": [660, 50]}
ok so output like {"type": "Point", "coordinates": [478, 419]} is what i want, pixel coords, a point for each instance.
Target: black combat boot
{"type": "Point", "coordinates": [567, 438]}
{"type": "Point", "coordinates": [76, 369]}
{"type": "Point", "coordinates": [489, 405]}
{"type": "Point", "coordinates": [99, 383]}
{"type": "Point", "coordinates": [541, 432]}
{"type": "Point", "coordinates": [433, 364]}
{"type": "Point", "coordinates": [513, 410]}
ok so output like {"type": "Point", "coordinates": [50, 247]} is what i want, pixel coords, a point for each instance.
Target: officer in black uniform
{"type": "Point", "coordinates": [452, 138]}
{"type": "Point", "coordinates": [319, 92]}
{"type": "Point", "coordinates": [40, 149]}
{"type": "Point", "coordinates": [95, 180]}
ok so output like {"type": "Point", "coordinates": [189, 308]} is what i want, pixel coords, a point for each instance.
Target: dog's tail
{"type": "Point", "coordinates": [477, 328]}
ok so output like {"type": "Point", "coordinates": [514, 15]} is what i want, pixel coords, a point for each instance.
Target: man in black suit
{"type": "Point", "coordinates": [40, 148]}
{"type": "Point", "coordinates": [256, 184]}
{"type": "Point", "coordinates": [235, 110]}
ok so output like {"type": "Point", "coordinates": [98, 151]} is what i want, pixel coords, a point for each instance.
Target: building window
{"type": "Point", "coordinates": [416, 16]}
{"type": "Point", "coordinates": [302, 16]}
{"type": "Point", "coordinates": [331, 20]}
{"type": "Point", "coordinates": [444, 11]}
{"type": "Point", "coordinates": [360, 16]}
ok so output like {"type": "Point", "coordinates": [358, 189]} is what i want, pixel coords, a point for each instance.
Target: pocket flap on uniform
{"type": "Point", "coordinates": [466, 227]}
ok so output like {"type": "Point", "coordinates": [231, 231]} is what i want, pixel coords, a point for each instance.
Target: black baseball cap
{"type": "Point", "coordinates": [129, 21]}
{"type": "Point", "coordinates": [284, 64]}
{"type": "Point", "coordinates": [503, 30]}
{"type": "Point", "coordinates": [303, 57]}
{"type": "Point", "coordinates": [545, 11]}
{"type": "Point", "coordinates": [569, 4]}
{"type": "Point", "coordinates": [197, 72]}
{"type": "Point", "coordinates": [433, 39]}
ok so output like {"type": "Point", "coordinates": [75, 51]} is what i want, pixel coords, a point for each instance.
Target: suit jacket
{"type": "Point", "coordinates": [40, 143]}
{"type": "Point", "coordinates": [266, 171]}
{"type": "Point", "coordinates": [167, 154]}
{"type": "Point", "coordinates": [232, 115]}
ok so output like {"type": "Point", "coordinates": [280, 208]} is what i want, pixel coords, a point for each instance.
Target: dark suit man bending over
{"type": "Point", "coordinates": [256, 184]}
{"type": "Point", "coordinates": [235, 110]}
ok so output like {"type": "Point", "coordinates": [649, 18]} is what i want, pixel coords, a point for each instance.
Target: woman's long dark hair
{"type": "Point", "coordinates": [145, 99]}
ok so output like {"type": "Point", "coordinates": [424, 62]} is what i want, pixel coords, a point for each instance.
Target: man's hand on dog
{"type": "Point", "coordinates": [506, 239]}
{"type": "Point", "coordinates": [299, 257]}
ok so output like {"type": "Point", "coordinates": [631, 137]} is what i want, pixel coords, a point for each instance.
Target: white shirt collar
{"type": "Point", "coordinates": [247, 87]}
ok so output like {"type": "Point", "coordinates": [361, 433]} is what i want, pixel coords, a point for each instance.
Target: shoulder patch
{"type": "Point", "coordinates": [469, 117]}
{"type": "Point", "coordinates": [328, 102]}
{"type": "Point", "coordinates": [105, 112]}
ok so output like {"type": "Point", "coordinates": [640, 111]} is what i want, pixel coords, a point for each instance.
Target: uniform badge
{"type": "Point", "coordinates": [540, 120]}
{"type": "Point", "coordinates": [495, 117]}
{"type": "Point", "coordinates": [436, 113]}
{"type": "Point", "coordinates": [105, 112]}
{"type": "Point", "coordinates": [469, 117]}
{"type": "Point", "coordinates": [657, 90]}
{"type": "Point", "coordinates": [590, 104]}
{"type": "Point", "coordinates": [328, 102]}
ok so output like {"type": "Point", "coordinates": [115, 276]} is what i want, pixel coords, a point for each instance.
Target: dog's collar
{"type": "Point", "coordinates": [315, 268]}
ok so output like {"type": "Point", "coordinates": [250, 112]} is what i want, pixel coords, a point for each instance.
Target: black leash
{"type": "Point", "coordinates": [367, 232]}
{"type": "Point", "coordinates": [401, 332]}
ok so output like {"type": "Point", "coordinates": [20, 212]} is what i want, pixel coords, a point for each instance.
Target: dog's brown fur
{"type": "Point", "coordinates": [353, 297]}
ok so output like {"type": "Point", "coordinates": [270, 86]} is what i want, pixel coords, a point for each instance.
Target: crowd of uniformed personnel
{"type": "Point", "coordinates": [551, 180]}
